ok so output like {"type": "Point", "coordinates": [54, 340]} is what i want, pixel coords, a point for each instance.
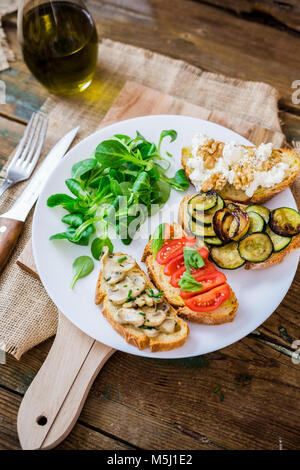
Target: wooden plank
{"type": "Point", "coordinates": [81, 438]}
{"type": "Point", "coordinates": [290, 126]}
{"type": "Point", "coordinates": [173, 401]}
{"type": "Point", "coordinates": [206, 37]}
{"type": "Point", "coordinates": [197, 33]}
{"type": "Point", "coordinates": [285, 12]}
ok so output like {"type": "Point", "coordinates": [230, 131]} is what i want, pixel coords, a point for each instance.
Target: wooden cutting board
{"type": "Point", "coordinates": [54, 400]}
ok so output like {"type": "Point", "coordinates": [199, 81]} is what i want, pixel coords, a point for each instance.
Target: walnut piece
{"type": "Point", "coordinates": [215, 181]}
{"type": "Point", "coordinates": [210, 152]}
{"type": "Point", "coordinates": [244, 175]}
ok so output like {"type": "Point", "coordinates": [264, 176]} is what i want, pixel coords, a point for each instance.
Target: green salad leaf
{"type": "Point", "coordinates": [98, 244]}
{"type": "Point", "coordinates": [82, 267]}
{"type": "Point", "coordinates": [125, 182]}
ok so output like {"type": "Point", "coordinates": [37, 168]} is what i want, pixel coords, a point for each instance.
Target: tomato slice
{"type": "Point", "coordinates": [204, 253]}
{"type": "Point", "coordinates": [177, 262]}
{"type": "Point", "coordinates": [202, 273]}
{"type": "Point", "coordinates": [173, 248]}
{"type": "Point", "coordinates": [197, 273]}
{"type": "Point", "coordinates": [210, 300]}
{"type": "Point", "coordinates": [174, 265]}
{"type": "Point", "coordinates": [211, 280]}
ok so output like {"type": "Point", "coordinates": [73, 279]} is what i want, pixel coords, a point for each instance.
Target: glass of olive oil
{"type": "Point", "coordinates": [59, 42]}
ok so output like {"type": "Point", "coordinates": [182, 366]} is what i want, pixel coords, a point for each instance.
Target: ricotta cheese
{"type": "Point", "coordinates": [233, 152]}
{"type": "Point", "coordinates": [267, 179]}
{"type": "Point", "coordinates": [199, 139]}
{"type": "Point", "coordinates": [234, 156]}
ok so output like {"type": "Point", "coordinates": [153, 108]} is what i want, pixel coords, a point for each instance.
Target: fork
{"type": "Point", "coordinates": [27, 153]}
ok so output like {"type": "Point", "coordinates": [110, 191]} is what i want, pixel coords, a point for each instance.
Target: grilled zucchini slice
{"type": "Point", "coordinates": [279, 243]}
{"type": "Point", "coordinates": [227, 256]}
{"type": "Point", "coordinates": [206, 217]}
{"type": "Point", "coordinates": [257, 223]}
{"type": "Point", "coordinates": [213, 241]}
{"type": "Point", "coordinates": [202, 202]}
{"type": "Point", "coordinates": [263, 211]}
{"type": "Point", "coordinates": [255, 247]}
{"type": "Point", "coordinates": [285, 222]}
{"type": "Point", "coordinates": [200, 230]}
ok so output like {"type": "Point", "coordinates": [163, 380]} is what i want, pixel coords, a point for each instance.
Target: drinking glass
{"type": "Point", "coordinates": [59, 42]}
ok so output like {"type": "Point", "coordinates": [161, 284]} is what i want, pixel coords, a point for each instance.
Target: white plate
{"type": "Point", "coordinates": [259, 292]}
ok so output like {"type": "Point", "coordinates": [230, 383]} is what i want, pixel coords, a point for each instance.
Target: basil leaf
{"type": "Point", "coordinates": [188, 283]}
{"type": "Point", "coordinates": [82, 267]}
{"type": "Point", "coordinates": [192, 259]}
{"type": "Point", "coordinates": [98, 245]}
{"type": "Point", "coordinates": [158, 238]}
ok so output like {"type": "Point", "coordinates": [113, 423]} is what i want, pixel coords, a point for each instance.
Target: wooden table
{"type": "Point", "coordinates": [247, 395]}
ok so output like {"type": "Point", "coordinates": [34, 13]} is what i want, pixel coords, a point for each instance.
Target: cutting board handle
{"type": "Point", "coordinates": [55, 398]}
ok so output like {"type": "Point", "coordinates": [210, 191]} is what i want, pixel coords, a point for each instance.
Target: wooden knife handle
{"type": "Point", "coordinates": [10, 231]}
{"type": "Point", "coordinates": [54, 400]}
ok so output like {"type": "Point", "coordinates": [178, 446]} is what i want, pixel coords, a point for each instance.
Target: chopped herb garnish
{"type": "Point", "coordinates": [221, 396]}
{"type": "Point", "coordinates": [146, 327]}
{"type": "Point", "coordinates": [217, 389]}
{"type": "Point", "coordinates": [124, 258]}
{"type": "Point", "coordinates": [156, 295]}
{"type": "Point", "coordinates": [129, 298]}
{"type": "Point", "coordinates": [141, 313]}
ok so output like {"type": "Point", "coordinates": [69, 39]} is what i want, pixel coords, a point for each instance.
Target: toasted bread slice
{"type": "Point", "coordinates": [275, 258]}
{"type": "Point", "coordinates": [261, 194]}
{"type": "Point", "coordinates": [133, 335]}
{"type": "Point", "coordinates": [225, 313]}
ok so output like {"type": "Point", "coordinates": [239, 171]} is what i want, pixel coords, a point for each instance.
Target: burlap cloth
{"type": "Point", "coordinates": [6, 54]}
{"type": "Point", "coordinates": [27, 315]}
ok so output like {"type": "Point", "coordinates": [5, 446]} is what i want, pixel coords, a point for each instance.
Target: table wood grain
{"type": "Point", "coordinates": [245, 396]}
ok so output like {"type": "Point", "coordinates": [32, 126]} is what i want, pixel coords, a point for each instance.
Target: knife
{"type": "Point", "coordinates": [12, 222]}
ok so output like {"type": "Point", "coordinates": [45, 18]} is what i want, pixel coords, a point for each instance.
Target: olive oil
{"type": "Point", "coordinates": [60, 46]}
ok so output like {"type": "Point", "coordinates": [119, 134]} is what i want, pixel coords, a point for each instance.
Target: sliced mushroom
{"type": "Point", "coordinates": [168, 326]}
{"type": "Point", "coordinates": [114, 271]}
{"type": "Point", "coordinates": [151, 332]}
{"type": "Point", "coordinates": [142, 300]}
{"type": "Point", "coordinates": [118, 294]}
{"type": "Point", "coordinates": [138, 284]}
{"type": "Point", "coordinates": [154, 317]}
{"type": "Point", "coordinates": [164, 307]}
{"type": "Point", "coordinates": [129, 316]}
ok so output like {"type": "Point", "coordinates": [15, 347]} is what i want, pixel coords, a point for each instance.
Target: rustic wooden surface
{"type": "Point", "coordinates": [247, 395]}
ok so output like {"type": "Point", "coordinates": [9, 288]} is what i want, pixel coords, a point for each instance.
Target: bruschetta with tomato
{"type": "Point", "coordinates": [178, 265]}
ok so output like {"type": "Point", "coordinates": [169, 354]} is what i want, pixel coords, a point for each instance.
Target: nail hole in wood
{"type": "Point", "coordinates": [42, 420]}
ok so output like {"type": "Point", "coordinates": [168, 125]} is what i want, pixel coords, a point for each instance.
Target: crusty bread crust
{"type": "Point", "coordinates": [163, 342]}
{"type": "Point", "coordinates": [261, 194]}
{"type": "Point", "coordinates": [274, 259]}
{"type": "Point", "coordinates": [224, 314]}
